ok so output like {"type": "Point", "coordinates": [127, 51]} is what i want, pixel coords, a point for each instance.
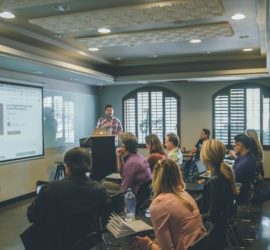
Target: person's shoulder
{"type": "Point", "coordinates": [116, 119]}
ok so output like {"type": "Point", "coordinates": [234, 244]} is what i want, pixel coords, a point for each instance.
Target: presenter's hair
{"type": "Point", "coordinates": [130, 142]}
{"type": "Point", "coordinates": [108, 106]}
{"type": "Point", "coordinates": [78, 160]}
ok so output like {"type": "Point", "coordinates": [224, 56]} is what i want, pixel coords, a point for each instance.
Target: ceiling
{"type": "Point", "coordinates": [149, 40]}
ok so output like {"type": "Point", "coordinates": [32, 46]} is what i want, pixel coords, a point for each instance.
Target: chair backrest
{"type": "Point", "coordinates": [201, 243]}
{"type": "Point", "coordinates": [88, 242]}
{"type": "Point", "coordinates": [143, 196]}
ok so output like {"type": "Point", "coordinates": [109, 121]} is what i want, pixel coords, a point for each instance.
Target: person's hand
{"type": "Point", "coordinates": [142, 242]}
{"type": "Point", "coordinates": [232, 154]}
{"type": "Point", "coordinates": [120, 151]}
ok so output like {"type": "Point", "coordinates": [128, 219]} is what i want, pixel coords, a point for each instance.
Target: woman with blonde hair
{"type": "Point", "coordinates": [219, 192]}
{"type": "Point", "coordinates": [259, 150]}
{"type": "Point", "coordinates": [155, 149]}
{"type": "Point", "coordinates": [174, 213]}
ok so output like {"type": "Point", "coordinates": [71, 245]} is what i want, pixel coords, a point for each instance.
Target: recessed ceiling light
{"type": "Point", "coordinates": [7, 15]}
{"type": "Point", "coordinates": [82, 53]}
{"type": "Point", "coordinates": [154, 56]}
{"type": "Point", "coordinates": [104, 30]}
{"type": "Point", "coordinates": [73, 79]}
{"type": "Point", "coordinates": [59, 35]}
{"type": "Point", "coordinates": [93, 49]}
{"type": "Point", "coordinates": [37, 72]}
{"type": "Point", "coordinates": [247, 49]}
{"type": "Point", "coordinates": [244, 36]}
{"type": "Point", "coordinates": [61, 7]}
{"type": "Point", "coordinates": [100, 84]}
{"type": "Point", "coordinates": [118, 59]}
{"type": "Point", "coordinates": [195, 41]}
{"type": "Point", "coordinates": [238, 16]}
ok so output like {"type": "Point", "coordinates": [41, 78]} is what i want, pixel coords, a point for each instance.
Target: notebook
{"type": "Point", "coordinates": [120, 228]}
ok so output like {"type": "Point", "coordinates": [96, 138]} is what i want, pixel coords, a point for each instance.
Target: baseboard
{"type": "Point", "coordinates": [266, 179]}
{"type": "Point", "coordinates": [19, 198]}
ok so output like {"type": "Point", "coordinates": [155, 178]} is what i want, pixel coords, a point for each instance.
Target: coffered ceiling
{"type": "Point", "coordinates": [149, 41]}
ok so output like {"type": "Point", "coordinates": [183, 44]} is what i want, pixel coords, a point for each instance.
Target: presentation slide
{"type": "Point", "coordinates": [21, 129]}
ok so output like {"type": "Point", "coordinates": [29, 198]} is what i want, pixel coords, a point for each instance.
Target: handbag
{"type": "Point", "coordinates": [261, 191]}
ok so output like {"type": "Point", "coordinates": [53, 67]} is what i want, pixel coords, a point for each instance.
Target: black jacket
{"type": "Point", "coordinates": [63, 212]}
{"type": "Point", "coordinates": [217, 197]}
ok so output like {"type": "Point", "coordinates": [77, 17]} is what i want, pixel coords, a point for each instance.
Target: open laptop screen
{"type": "Point", "coordinates": [201, 167]}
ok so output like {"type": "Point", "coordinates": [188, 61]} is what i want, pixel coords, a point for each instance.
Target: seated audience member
{"type": "Point", "coordinates": [66, 210]}
{"type": "Point", "coordinates": [258, 151]}
{"type": "Point", "coordinates": [133, 168]}
{"type": "Point", "coordinates": [156, 151]}
{"type": "Point", "coordinates": [172, 146]}
{"type": "Point", "coordinates": [244, 166]}
{"type": "Point", "coordinates": [174, 213]}
{"type": "Point", "coordinates": [204, 135]}
{"type": "Point", "coordinates": [219, 191]}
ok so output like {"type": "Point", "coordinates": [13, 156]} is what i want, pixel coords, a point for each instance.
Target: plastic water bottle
{"type": "Point", "coordinates": [130, 205]}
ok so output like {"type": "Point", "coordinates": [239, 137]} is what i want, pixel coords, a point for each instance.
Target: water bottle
{"type": "Point", "coordinates": [130, 205]}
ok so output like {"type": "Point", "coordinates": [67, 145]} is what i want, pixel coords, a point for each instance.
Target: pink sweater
{"type": "Point", "coordinates": [175, 226]}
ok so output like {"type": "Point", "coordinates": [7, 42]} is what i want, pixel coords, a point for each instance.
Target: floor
{"type": "Point", "coordinates": [13, 221]}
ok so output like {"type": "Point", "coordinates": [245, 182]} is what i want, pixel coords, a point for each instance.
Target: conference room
{"type": "Point", "coordinates": [165, 67]}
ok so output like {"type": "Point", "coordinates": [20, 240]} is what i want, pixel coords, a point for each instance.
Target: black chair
{"type": "Point", "coordinates": [201, 243]}
{"type": "Point", "coordinates": [143, 196]}
{"type": "Point", "coordinates": [88, 242]}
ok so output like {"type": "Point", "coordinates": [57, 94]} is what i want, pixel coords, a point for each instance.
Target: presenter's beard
{"type": "Point", "coordinates": [108, 117]}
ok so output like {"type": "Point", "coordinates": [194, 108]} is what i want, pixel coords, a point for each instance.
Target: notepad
{"type": "Point", "coordinates": [120, 228]}
{"type": "Point", "coordinates": [113, 176]}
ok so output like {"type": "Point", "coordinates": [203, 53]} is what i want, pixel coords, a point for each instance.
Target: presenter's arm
{"type": "Point", "coordinates": [99, 123]}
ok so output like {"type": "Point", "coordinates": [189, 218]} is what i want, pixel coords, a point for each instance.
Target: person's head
{"type": "Point", "coordinates": [205, 134]}
{"type": "Point", "coordinates": [153, 144]}
{"type": "Point", "coordinates": [212, 155]}
{"type": "Point", "coordinates": [129, 142]}
{"type": "Point", "coordinates": [77, 161]}
{"type": "Point", "coordinates": [242, 143]}
{"type": "Point", "coordinates": [171, 141]}
{"type": "Point", "coordinates": [167, 178]}
{"type": "Point", "coordinates": [109, 110]}
{"type": "Point", "coordinates": [252, 133]}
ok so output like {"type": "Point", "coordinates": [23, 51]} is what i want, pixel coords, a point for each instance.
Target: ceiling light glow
{"type": "Point", "coordinates": [104, 30]}
{"type": "Point", "coordinates": [7, 15]}
{"type": "Point", "coordinates": [195, 41]}
{"type": "Point", "coordinates": [238, 16]}
{"type": "Point", "coordinates": [247, 49]}
{"type": "Point", "coordinates": [93, 49]}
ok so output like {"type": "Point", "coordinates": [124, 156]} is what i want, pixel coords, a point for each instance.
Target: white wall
{"type": "Point", "coordinates": [195, 112]}
{"type": "Point", "coordinates": [19, 178]}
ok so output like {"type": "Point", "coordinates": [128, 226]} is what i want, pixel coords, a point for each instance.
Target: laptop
{"type": "Point", "coordinates": [101, 132]}
{"type": "Point", "coordinates": [200, 167]}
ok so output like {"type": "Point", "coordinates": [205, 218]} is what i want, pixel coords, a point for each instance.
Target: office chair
{"type": "Point", "coordinates": [201, 243]}
{"type": "Point", "coordinates": [143, 196]}
{"type": "Point", "coordinates": [88, 242]}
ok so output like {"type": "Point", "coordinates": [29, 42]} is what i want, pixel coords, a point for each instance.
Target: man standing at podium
{"type": "Point", "coordinates": [111, 123]}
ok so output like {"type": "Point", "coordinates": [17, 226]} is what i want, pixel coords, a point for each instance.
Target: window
{"type": "Point", "coordinates": [151, 110]}
{"type": "Point", "coordinates": [63, 112]}
{"type": "Point", "coordinates": [240, 107]}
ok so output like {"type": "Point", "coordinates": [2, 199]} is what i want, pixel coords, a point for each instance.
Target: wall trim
{"type": "Point", "coordinates": [16, 199]}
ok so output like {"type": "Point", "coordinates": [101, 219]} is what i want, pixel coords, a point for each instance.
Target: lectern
{"type": "Point", "coordinates": [103, 156]}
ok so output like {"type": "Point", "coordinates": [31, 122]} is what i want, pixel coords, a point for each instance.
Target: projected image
{"type": "Point", "coordinates": [1, 119]}
{"type": "Point", "coordinates": [20, 122]}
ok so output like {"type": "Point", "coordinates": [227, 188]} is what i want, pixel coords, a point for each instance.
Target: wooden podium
{"type": "Point", "coordinates": [103, 156]}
